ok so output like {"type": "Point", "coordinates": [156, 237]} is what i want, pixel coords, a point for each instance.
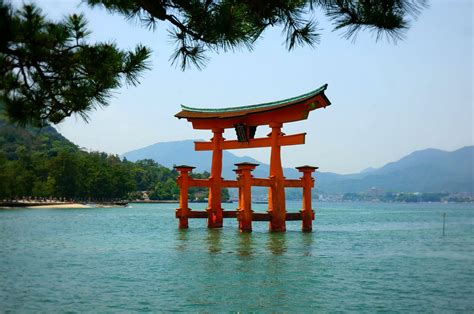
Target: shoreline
{"type": "Point", "coordinates": [34, 205]}
{"type": "Point", "coordinates": [155, 202]}
{"type": "Point", "coordinates": [68, 205]}
{"type": "Point", "coordinates": [21, 205]}
{"type": "Point", "coordinates": [76, 205]}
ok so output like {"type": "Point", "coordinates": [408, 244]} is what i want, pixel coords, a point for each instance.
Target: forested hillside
{"type": "Point", "coordinates": [42, 163]}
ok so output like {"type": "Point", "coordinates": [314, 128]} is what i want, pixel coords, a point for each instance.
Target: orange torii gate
{"type": "Point", "coordinates": [245, 121]}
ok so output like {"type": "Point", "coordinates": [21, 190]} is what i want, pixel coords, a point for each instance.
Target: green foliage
{"type": "Point", "coordinates": [199, 194]}
{"type": "Point", "coordinates": [165, 187]}
{"type": "Point", "coordinates": [41, 163]}
{"type": "Point", "coordinates": [222, 25]}
{"type": "Point", "coordinates": [65, 173]}
{"type": "Point", "coordinates": [384, 17]}
{"type": "Point", "coordinates": [49, 71]}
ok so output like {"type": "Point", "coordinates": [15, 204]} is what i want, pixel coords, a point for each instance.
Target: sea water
{"type": "Point", "coordinates": [361, 257]}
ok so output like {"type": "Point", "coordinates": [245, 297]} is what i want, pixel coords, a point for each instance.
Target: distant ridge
{"type": "Point", "coordinates": [428, 170]}
{"type": "Point", "coordinates": [30, 138]}
{"type": "Point", "coordinates": [182, 152]}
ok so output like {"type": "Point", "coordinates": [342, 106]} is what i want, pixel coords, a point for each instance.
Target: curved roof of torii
{"type": "Point", "coordinates": [190, 112]}
{"type": "Point", "coordinates": [303, 103]}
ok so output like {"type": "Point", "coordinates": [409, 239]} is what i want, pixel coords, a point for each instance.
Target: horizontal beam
{"type": "Point", "coordinates": [293, 216]}
{"type": "Point", "coordinates": [267, 216]}
{"type": "Point", "coordinates": [261, 217]}
{"type": "Point", "coordinates": [289, 183]}
{"type": "Point", "coordinates": [207, 183]}
{"type": "Point", "coordinates": [229, 213]}
{"type": "Point", "coordinates": [255, 216]}
{"type": "Point", "coordinates": [285, 140]}
{"type": "Point", "coordinates": [200, 182]}
{"type": "Point", "coordinates": [230, 184]}
{"type": "Point", "coordinates": [262, 182]}
{"type": "Point", "coordinates": [294, 183]}
{"type": "Point", "coordinates": [197, 214]}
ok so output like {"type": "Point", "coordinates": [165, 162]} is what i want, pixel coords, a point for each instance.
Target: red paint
{"type": "Point", "coordinates": [276, 182]}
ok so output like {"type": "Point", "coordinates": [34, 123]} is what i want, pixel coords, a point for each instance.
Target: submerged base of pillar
{"type": "Point", "coordinates": [214, 224]}
{"type": "Point", "coordinates": [215, 218]}
{"type": "Point", "coordinates": [182, 214]}
{"type": "Point", "coordinates": [281, 227]}
{"type": "Point", "coordinates": [245, 227]}
{"type": "Point", "coordinates": [307, 223]}
{"type": "Point", "coordinates": [245, 221]}
{"type": "Point", "coordinates": [183, 224]}
{"type": "Point", "coordinates": [277, 228]}
{"type": "Point", "coordinates": [278, 220]}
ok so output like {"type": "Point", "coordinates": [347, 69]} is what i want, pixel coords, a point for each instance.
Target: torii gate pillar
{"type": "Point", "coordinates": [276, 195]}
{"type": "Point", "coordinates": [214, 208]}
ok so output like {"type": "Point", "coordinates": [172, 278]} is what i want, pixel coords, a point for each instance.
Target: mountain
{"type": "Point", "coordinates": [367, 170]}
{"type": "Point", "coordinates": [44, 140]}
{"type": "Point", "coordinates": [169, 154]}
{"type": "Point", "coordinates": [429, 170]}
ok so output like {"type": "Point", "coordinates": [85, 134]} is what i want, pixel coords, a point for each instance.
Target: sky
{"type": "Point", "coordinates": [388, 99]}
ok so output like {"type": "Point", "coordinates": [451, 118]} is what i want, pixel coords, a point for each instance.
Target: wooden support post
{"type": "Point", "coordinates": [214, 208]}
{"type": "Point", "coordinates": [183, 182]}
{"type": "Point", "coordinates": [276, 194]}
{"type": "Point", "coordinates": [307, 212]}
{"type": "Point", "coordinates": [244, 215]}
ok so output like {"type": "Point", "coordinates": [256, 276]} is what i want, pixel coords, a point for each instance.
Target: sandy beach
{"type": "Point", "coordinates": [57, 205]}
{"type": "Point", "coordinates": [68, 205]}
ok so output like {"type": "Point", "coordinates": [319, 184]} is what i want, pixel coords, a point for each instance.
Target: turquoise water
{"type": "Point", "coordinates": [361, 257]}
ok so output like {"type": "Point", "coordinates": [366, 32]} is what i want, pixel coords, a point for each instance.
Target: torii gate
{"type": "Point", "coordinates": [245, 121]}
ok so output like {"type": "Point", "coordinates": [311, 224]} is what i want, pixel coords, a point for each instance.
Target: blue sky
{"type": "Point", "coordinates": [387, 99]}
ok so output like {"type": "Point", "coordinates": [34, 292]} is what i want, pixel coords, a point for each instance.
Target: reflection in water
{"type": "Point", "coordinates": [245, 244]}
{"type": "Point", "coordinates": [277, 268]}
{"type": "Point", "coordinates": [276, 242]}
{"type": "Point", "coordinates": [213, 240]}
{"type": "Point", "coordinates": [307, 241]}
{"type": "Point", "coordinates": [182, 237]}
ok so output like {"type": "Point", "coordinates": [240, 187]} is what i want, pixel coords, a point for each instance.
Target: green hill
{"type": "Point", "coordinates": [42, 163]}
{"type": "Point", "coordinates": [46, 140]}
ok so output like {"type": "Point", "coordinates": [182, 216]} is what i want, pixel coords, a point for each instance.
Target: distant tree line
{"type": "Point", "coordinates": [43, 164]}
{"type": "Point", "coordinates": [78, 175]}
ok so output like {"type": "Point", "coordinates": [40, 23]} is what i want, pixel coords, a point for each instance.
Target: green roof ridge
{"type": "Point", "coordinates": [262, 105]}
